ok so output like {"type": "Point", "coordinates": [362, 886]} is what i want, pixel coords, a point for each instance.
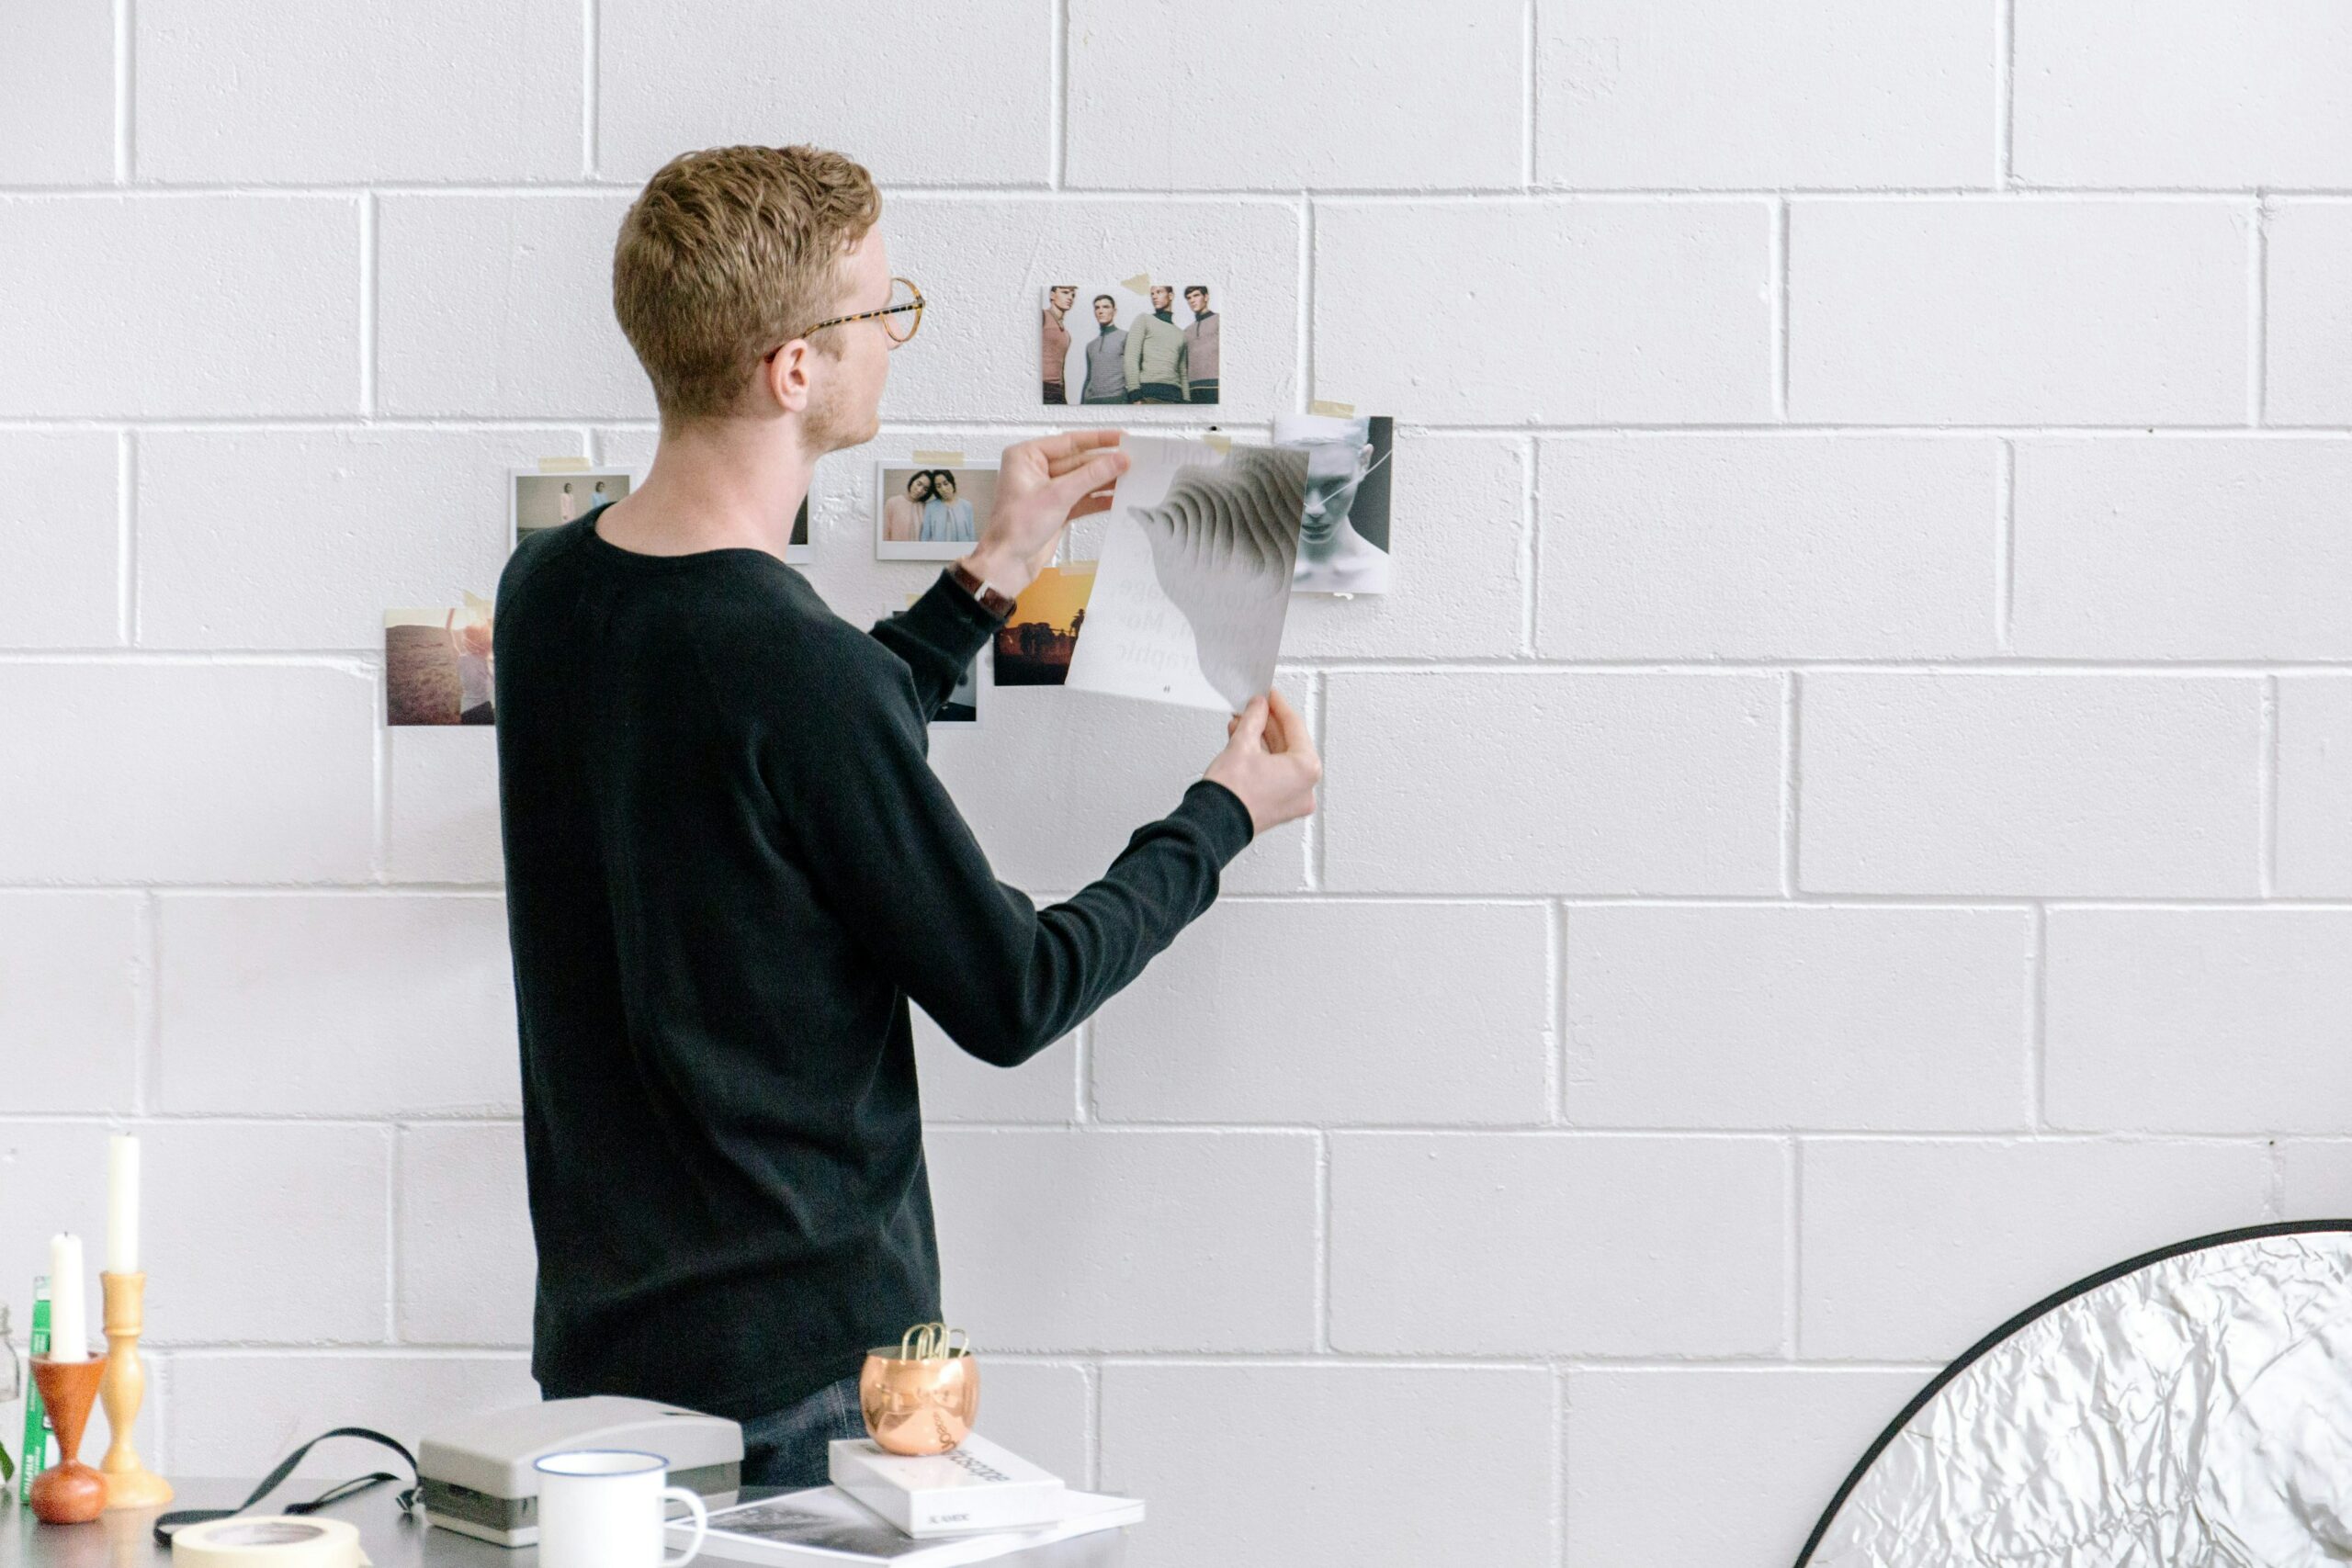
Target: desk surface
{"type": "Point", "coordinates": [390, 1539]}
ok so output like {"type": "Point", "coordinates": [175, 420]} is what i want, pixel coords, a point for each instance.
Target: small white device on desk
{"type": "Point", "coordinates": [478, 1476]}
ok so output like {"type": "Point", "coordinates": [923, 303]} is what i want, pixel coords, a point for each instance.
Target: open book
{"type": "Point", "coordinates": [824, 1524]}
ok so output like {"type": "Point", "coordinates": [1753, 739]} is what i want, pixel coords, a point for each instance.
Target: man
{"type": "Point", "coordinates": [1156, 353]}
{"type": "Point", "coordinates": [1200, 346]}
{"type": "Point", "coordinates": [1058, 301]}
{"type": "Point", "coordinates": [728, 866]}
{"type": "Point", "coordinates": [1106, 356]}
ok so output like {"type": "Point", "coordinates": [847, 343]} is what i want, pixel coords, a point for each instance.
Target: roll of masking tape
{"type": "Point", "coordinates": [269, 1541]}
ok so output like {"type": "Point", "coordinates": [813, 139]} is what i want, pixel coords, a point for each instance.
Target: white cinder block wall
{"type": "Point", "coordinates": [1842, 829]}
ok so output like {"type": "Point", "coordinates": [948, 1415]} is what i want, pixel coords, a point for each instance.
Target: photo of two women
{"type": "Point", "coordinates": [931, 513]}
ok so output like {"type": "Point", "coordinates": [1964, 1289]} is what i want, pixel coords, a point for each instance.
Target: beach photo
{"type": "Point", "coordinates": [437, 665]}
{"type": "Point", "coordinates": [931, 512]}
{"type": "Point", "coordinates": [538, 501]}
{"type": "Point", "coordinates": [1034, 646]}
{"type": "Point", "coordinates": [1142, 340]}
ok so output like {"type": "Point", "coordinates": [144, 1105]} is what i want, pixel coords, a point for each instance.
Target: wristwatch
{"type": "Point", "coordinates": [999, 605]}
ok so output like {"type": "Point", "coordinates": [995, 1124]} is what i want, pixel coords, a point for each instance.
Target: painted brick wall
{"type": "Point", "coordinates": [1842, 829]}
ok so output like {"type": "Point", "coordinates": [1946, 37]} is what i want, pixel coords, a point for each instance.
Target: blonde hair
{"type": "Point", "coordinates": [727, 253]}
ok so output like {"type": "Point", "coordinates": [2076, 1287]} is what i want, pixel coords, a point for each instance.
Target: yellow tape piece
{"type": "Point", "coordinates": [1140, 283]}
{"type": "Point", "coordinates": [563, 465]}
{"type": "Point", "coordinates": [1336, 411]}
{"type": "Point", "coordinates": [1222, 443]}
{"type": "Point", "coordinates": [944, 460]}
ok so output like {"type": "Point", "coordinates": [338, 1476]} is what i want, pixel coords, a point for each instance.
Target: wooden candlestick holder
{"type": "Point", "coordinates": [129, 1483]}
{"type": "Point", "coordinates": [69, 1491]}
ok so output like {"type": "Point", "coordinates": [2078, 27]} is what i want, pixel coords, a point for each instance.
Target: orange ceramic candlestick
{"type": "Point", "coordinates": [69, 1491]}
{"type": "Point", "coordinates": [129, 1483]}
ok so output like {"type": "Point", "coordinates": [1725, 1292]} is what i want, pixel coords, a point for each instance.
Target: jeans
{"type": "Point", "coordinates": [787, 1447]}
{"type": "Point", "coordinates": [1204, 391]}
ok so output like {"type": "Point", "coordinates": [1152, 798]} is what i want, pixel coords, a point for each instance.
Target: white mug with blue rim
{"type": "Point", "coordinates": [603, 1509]}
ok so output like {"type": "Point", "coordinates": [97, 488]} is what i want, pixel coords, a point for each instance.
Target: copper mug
{"type": "Point", "coordinates": [922, 1395]}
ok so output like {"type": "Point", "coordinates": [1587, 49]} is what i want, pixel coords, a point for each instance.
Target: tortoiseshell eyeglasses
{"type": "Point", "coordinates": [906, 300]}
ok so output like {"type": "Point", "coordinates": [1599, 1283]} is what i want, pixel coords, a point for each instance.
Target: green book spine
{"type": "Point", "coordinates": [36, 1418]}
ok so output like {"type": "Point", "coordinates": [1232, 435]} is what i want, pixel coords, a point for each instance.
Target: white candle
{"type": "Point", "coordinates": [122, 1205]}
{"type": "Point", "coordinates": [69, 1316]}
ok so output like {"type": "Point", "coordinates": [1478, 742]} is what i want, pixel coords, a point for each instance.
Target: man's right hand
{"type": "Point", "coordinates": [1269, 763]}
{"type": "Point", "coordinates": [1040, 486]}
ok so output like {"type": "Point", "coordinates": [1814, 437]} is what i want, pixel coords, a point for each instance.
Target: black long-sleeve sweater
{"type": "Point", "coordinates": [728, 866]}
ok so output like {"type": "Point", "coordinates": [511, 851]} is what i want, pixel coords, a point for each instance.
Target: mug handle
{"type": "Point", "coordinates": [702, 1524]}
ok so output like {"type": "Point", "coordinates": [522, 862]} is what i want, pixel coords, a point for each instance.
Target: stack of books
{"type": "Point", "coordinates": [975, 1502]}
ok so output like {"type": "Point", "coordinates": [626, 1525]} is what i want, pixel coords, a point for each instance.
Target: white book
{"type": "Point", "coordinates": [976, 1485]}
{"type": "Point", "coordinates": [824, 1528]}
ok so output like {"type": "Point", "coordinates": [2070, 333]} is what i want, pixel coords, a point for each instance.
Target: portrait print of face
{"type": "Point", "coordinates": [931, 512]}
{"type": "Point", "coordinates": [1344, 528]}
{"type": "Point", "coordinates": [1135, 342]}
